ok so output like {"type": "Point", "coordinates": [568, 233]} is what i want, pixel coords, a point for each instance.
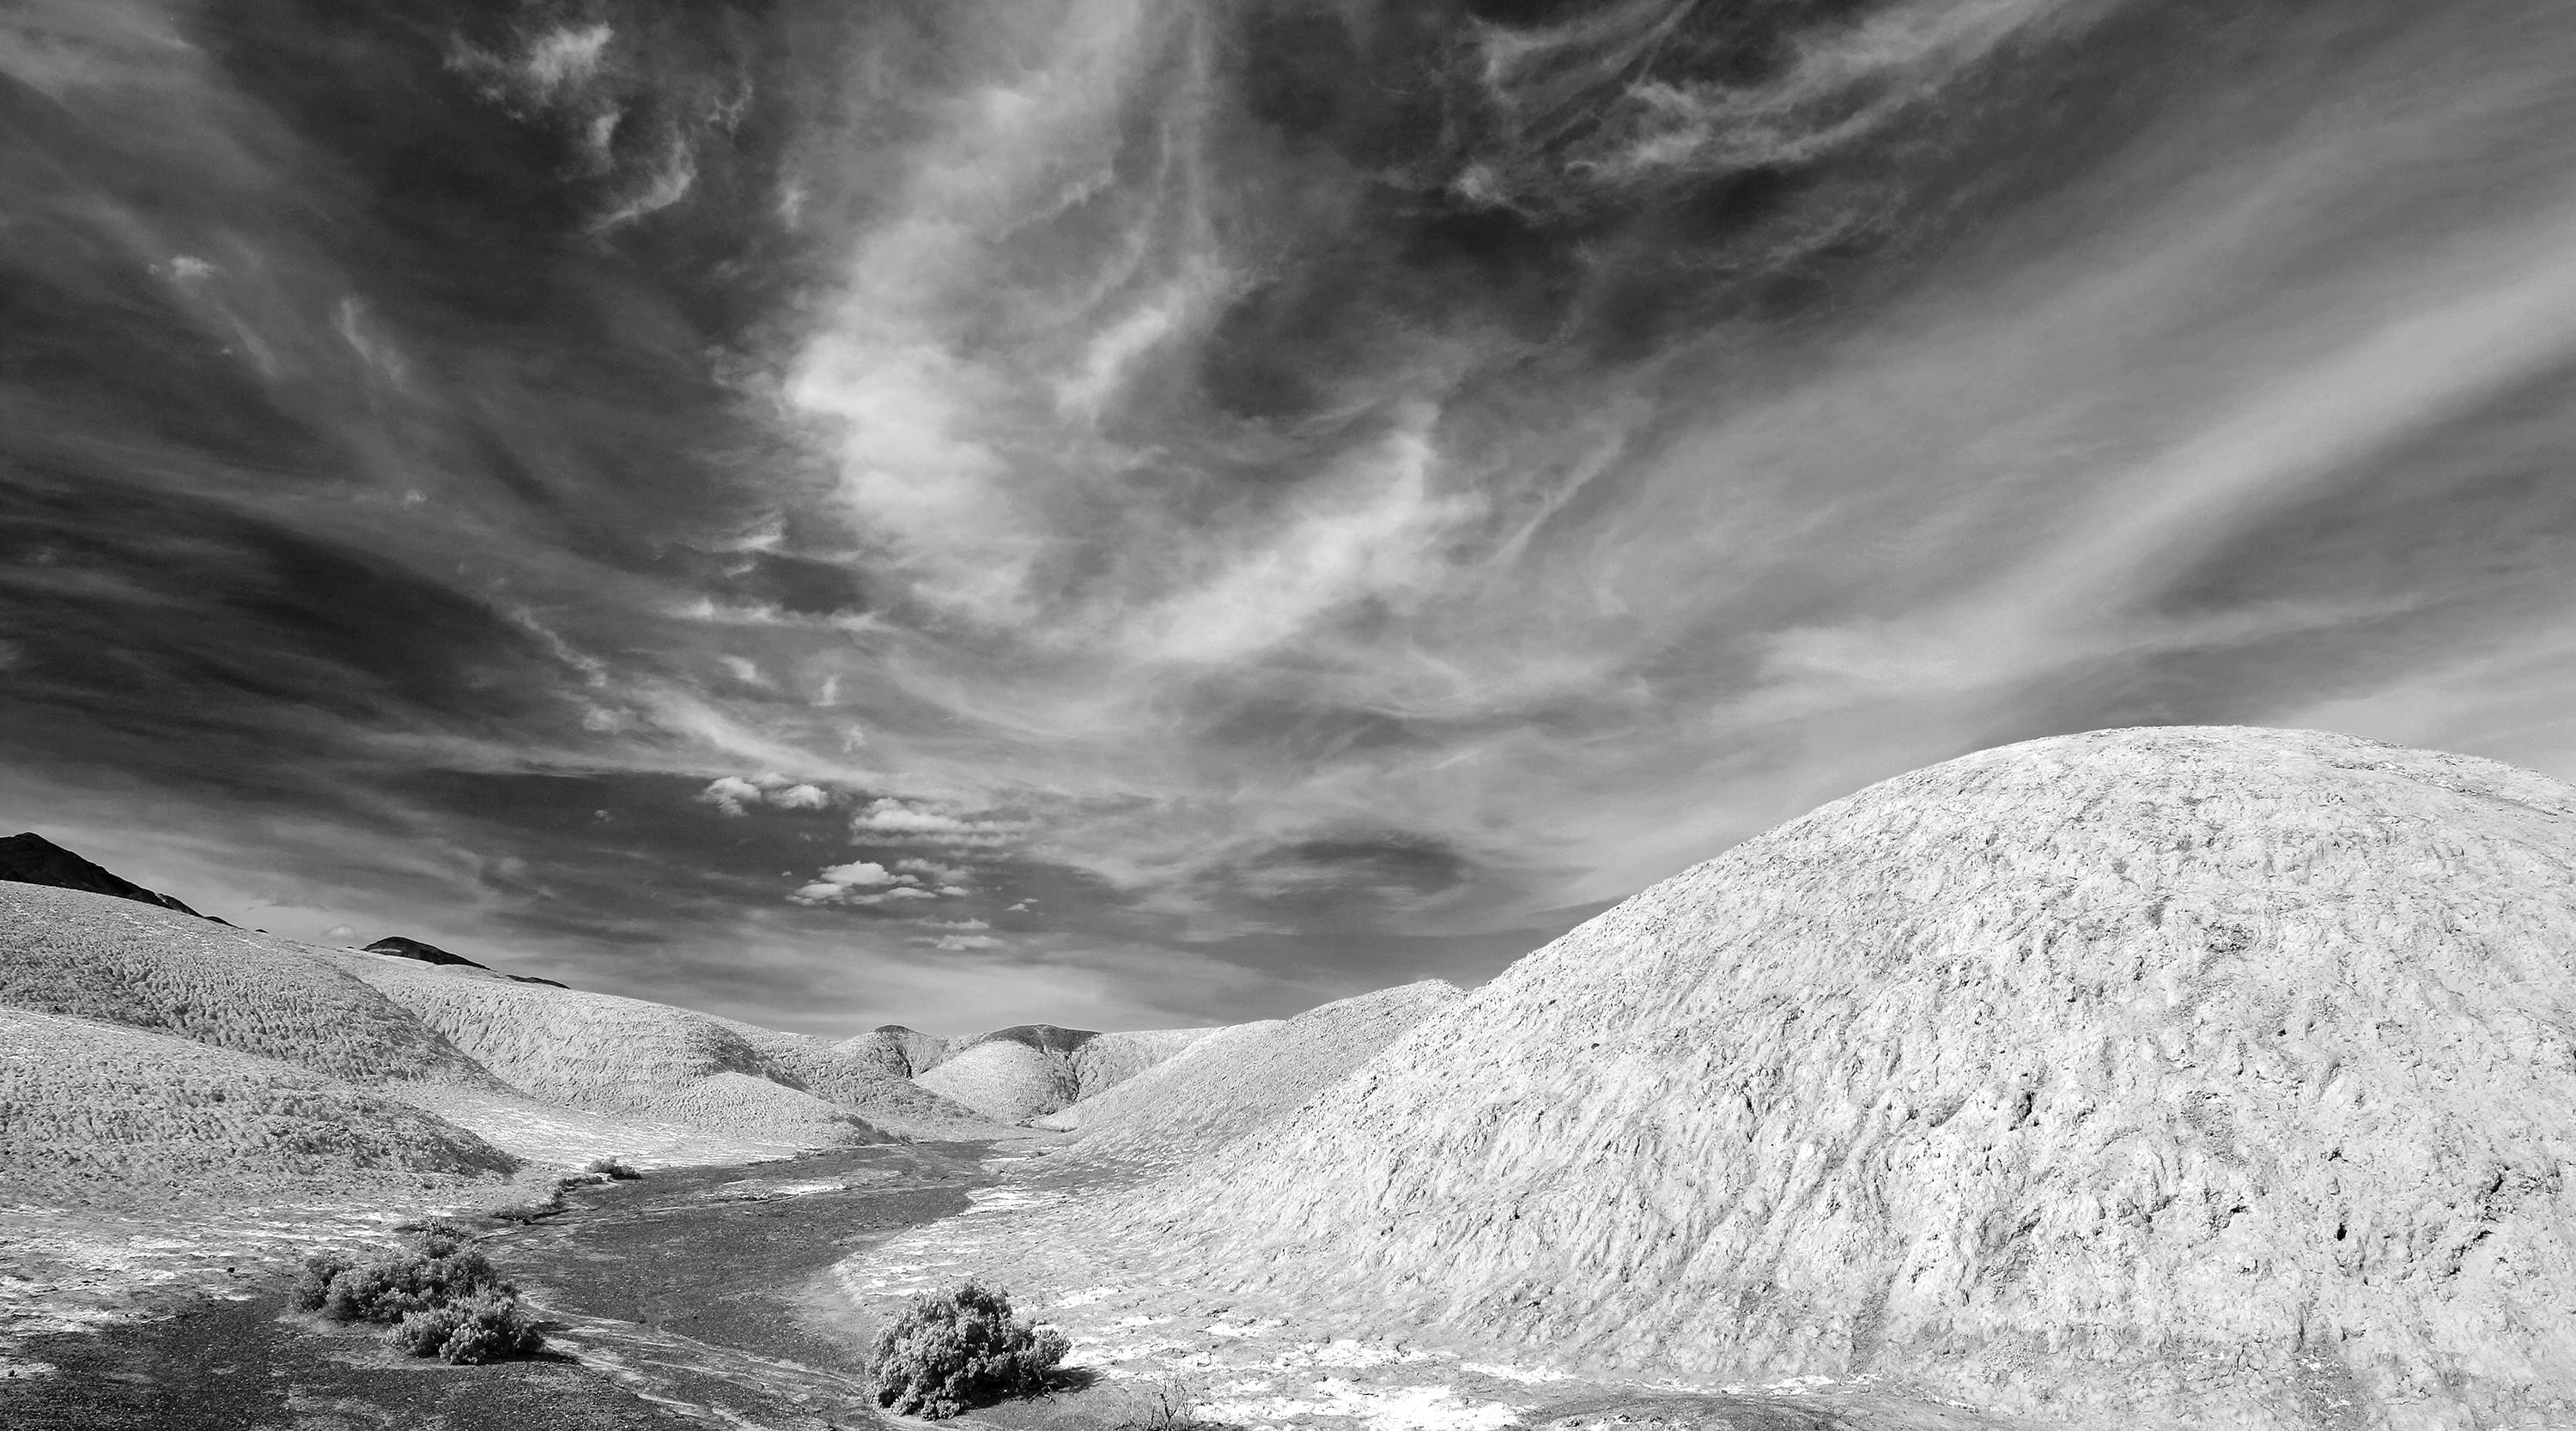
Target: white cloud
{"type": "Point", "coordinates": [965, 925]}
{"type": "Point", "coordinates": [565, 59]}
{"type": "Point", "coordinates": [960, 942]}
{"type": "Point", "coordinates": [889, 820]}
{"type": "Point", "coordinates": [861, 872]}
{"type": "Point", "coordinates": [840, 884]}
{"type": "Point", "coordinates": [943, 874]}
{"type": "Point", "coordinates": [735, 794]}
{"type": "Point", "coordinates": [731, 794]}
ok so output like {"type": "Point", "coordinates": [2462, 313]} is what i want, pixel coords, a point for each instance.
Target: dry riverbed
{"type": "Point", "coordinates": [742, 1297]}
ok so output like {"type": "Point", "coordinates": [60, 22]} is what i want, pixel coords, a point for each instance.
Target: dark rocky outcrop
{"type": "Point", "coordinates": [403, 948]}
{"type": "Point", "coordinates": [30, 858]}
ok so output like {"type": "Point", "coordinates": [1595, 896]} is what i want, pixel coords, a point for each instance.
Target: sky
{"type": "Point", "coordinates": [1139, 513]}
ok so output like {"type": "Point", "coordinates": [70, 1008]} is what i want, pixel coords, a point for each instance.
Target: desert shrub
{"type": "Point", "coordinates": [313, 1284]}
{"type": "Point", "coordinates": [613, 1168]}
{"type": "Point", "coordinates": [442, 1297]}
{"type": "Point", "coordinates": [948, 1352]}
{"type": "Point", "coordinates": [1169, 1405]}
{"type": "Point", "coordinates": [486, 1326]}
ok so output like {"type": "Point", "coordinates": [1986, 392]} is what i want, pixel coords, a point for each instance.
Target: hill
{"type": "Point", "coordinates": [1011, 1075]}
{"type": "Point", "coordinates": [100, 1115]}
{"type": "Point", "coordinates": [917, 1052]}
{"type": "Point", "coordinates": [405, 948]}
{"type": "Point", "coordinates": [869, 1080]}
{"type": "Point", "coordinates": [30, 858]}
{"type": "Point", "coordinates": [2152, 1078]}
{"type": "Point", "coordinates": [97, 957]}
{"type": "Point", "coordinates": [1242, 1077]}
{"type": "Point", "coordinates": [610, 1055]}
{"type": "Point", "coordinates": [402, 947]}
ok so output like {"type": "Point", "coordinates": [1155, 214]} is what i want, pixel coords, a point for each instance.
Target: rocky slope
{"type": "Point", "coordinates": [2161, 1078]}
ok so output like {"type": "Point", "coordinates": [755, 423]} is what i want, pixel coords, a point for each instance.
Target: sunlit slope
{"type": "Point", "coordinates": [2185, 1077]}
{"type": "Point", "coordinates": [611, 1055]}
{"type": "Point", "coordinates": [1014, 1074]}
{"type": "Point", "coordinates": [1248, 1075]}
{"type": "Point", "coordinates": [89, 955]}
{"type": "Point", "coordinates": [98, 1114]}
{"type": "Point", "coordinates": [868, 1079]}
{"type": "Point", "coordinates": [911, 1050]}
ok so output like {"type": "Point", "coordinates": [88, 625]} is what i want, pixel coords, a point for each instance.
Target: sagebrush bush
{"type": "Point", "coordinates": [1169, 1405]}
{"type": "Point", "coordinates": [613, 1168]}
{"type": "Point", "coordinates": [951, 1351]}
{"type": "Point", "coordinates": [483, 1327]}
{"type": "Point", "coordinates": [443, 1298]}
{"type": "Point", "coordinates": [313, 1284]}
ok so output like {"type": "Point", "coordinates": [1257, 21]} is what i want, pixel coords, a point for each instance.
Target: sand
{"type": "Point", "coordinates": [2199, 1077]}
{"type": "Point", "coordinates": [1245, 1076]}
{"type": "Point", "coordinates": [1016, 1074]}
{"type": "Point", "coordinates": [94, 1114]}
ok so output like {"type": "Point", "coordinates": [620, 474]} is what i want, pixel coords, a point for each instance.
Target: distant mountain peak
{"type": "Point", "coordinates": [403, 948]}
{"type": "Point", "coordinates": [30, 858]}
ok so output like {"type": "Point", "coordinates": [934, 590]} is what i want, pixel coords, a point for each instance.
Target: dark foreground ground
{"type": "Point", "coordinates": [696, 1297]}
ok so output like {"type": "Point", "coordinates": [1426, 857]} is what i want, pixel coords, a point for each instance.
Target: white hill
{"type": "Point", "coordinates": [860, 1076]}
{"type": "Point", "coordinates": [616, 1056]}
{"type": "Point", "coordinates": [2154, 1078]}
{"type": "Point", "coordinates": [1012, 1075]}
{"type": "Point", "coordinates": [93, 956]}
{"type": "Point", "coordinates": [909, 1051]}
{"type": "Point", "coordinates": [96, 1114]}
{"type": "Point", "coordinates": [1244, 1076]}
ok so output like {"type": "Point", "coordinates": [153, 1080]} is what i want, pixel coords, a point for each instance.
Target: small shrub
{"type": "Point", "coordinates": [486, 1326]}
{"type": "Point", "coordinates": [443, 1298]}
{"type": "Point", "coordinates": [313, 1284]}
{"type": "Point", "coordinates": [614, 1169]}
{"type": "Point", "coordinates": [1170, 1405]}
{"type": "Point", "coordinates": [949, 1352]}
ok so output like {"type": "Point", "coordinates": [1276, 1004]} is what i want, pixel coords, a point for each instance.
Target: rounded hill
{"type": "Point", "coordinates": [1245, 1075]}
{"type": "Point", "coordinates": [2174, 1077]}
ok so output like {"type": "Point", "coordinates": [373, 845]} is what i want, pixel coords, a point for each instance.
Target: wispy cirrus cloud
{"type": "Point", "coordinates": [1213, 509]}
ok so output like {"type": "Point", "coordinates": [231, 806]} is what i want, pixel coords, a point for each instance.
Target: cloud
{"type": "Point", "coordinates": [959, 942]}
{"type": "Point", "coordinates": [891, 820]}
{"type": "Point", "coordinates": [840, 884]}
{"type": "Point", "coordinates": [933, 870]}
{"type": "Point", "coordinates": [735, 794]}
{"type": "Point", "coordinates": [1156, 467]}
{"type": "Point", "coordinates": [731, 794]}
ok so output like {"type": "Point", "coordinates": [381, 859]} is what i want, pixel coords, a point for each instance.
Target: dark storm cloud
{"type": "Point", "coordinates": [1119, 511]}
